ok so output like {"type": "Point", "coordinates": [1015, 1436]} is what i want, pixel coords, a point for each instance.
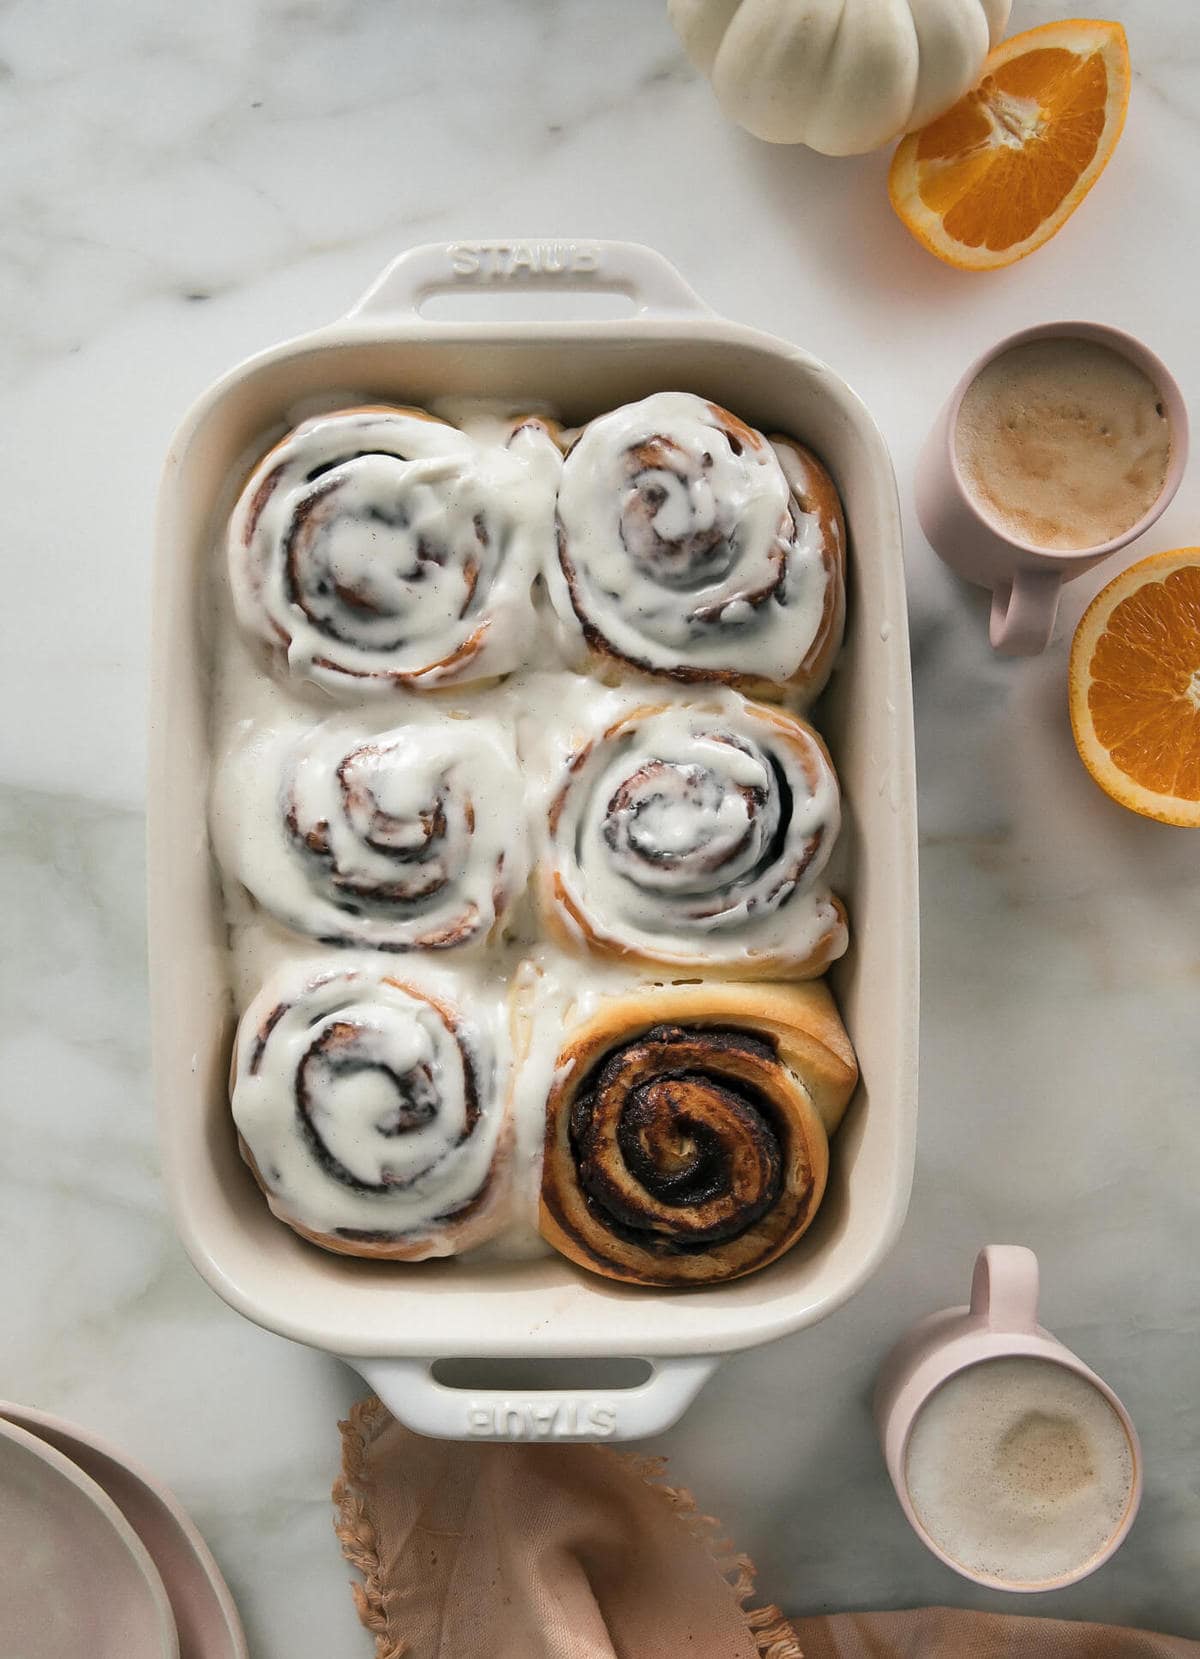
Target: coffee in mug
{"type": "Point", "coordinates": [1057, 447]}
{"type": "Point", "coordinates": [1063, 443]}
{"type": "Point", "coordinates": [1020, 1471]}
{"type": "Point", "coordinates": [1015, 1464]}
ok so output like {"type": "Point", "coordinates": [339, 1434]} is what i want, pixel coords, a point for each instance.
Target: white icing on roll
{"type": "Point", "coordinates": [682, 546]}
{"type": "Point", "coordinates": [404, 839]}
{"type": "Point", "coordinates": [543, 978]}
{"type": "Point", "coordinates": [371, 1111]}
{"type": "Point", "coordinates": [697, 834]}
{"type": "Point", "coordinates": [383, 548]}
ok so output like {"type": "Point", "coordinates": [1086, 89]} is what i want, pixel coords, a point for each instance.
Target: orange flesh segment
{"type": "Point", "coordinates": [994, 191]}
{"type": "Point", "coordinates": [1144, 691]}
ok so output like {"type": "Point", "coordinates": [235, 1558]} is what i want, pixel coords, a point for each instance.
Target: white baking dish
{"type": "Point", "coordinates": [392, 1321]}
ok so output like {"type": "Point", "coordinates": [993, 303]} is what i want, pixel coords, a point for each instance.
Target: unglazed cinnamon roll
{"type": "Point", "coordinates": [687, 1130]}
{"type": "Point", "coordinates": [379, 547]}
{"type": "Point", "coordinates": [696, 834]}
{"type": "Point", "coordinates": [692, 548]}
{"type": "Point", "coordinates": [370, 1112]}
{"type": "Point", "coordinates": [401, 840]}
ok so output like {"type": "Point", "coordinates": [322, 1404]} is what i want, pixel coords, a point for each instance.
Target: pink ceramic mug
{"type": "Point", "coordinates": [1000, 1323]}
{"type": "Point", "coordinates": [1026, 580]}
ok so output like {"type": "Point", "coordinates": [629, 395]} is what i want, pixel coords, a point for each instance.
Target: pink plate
{"type": "Point", "coordinates": [204, 1612]}
{"type": "Point", "coordinates": [74, 1576]}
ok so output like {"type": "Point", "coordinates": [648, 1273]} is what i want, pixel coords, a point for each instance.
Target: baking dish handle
{"type": "Point", "coordinates": [418, 1400]}
{"type": "Point", "coordinates": [652, 282]}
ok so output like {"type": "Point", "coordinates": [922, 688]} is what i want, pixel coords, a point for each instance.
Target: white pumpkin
{"type": "Point", "coordinates": [841, 76]}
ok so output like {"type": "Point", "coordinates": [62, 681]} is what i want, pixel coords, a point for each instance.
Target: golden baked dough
{"type": "Point", "coordinates": [687, 1130]}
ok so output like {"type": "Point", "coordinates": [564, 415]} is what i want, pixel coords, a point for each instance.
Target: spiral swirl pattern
{"type": "Point", "coordinates": [697, 834]}
{"type": "Point", "coordinates": [381, 547]}
{"type": "Point", "coordinates": [673, 1139]}
{"type": "Point", "coordinates": [694, 1149]}
{"type": "Point", "coordinates": [366, 1110]}
{"type": "Point", "coordinates": [692, 548]}
{"type": "Point", "coordinates": [400, 840]}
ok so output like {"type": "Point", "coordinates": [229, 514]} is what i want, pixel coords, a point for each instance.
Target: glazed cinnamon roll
{"type": "Point", "coordinates": [401, 840]}
{"type": "Point", "coordinates": [692, 548]}
{"type": "Point", "coordinates": [379, 547]}
{"type": "Point", "coordinates": [696, 834]}
{"type": "Point", "coordinates": [687, 1130]}
{"type": "Point", "coordinates": [371, 1115]}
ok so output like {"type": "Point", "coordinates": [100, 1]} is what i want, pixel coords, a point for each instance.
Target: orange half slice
{"type": "Point", "coordinates": [1004, 168]}
{"type": "Point", "coordinates": [1134, 687]}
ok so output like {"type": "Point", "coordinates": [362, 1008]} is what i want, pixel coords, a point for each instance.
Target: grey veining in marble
{"type": "Point", "coordinates": [180, 185]}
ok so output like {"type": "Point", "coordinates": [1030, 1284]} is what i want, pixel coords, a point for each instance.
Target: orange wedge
{"type": "Point", "coordinates": [1005, 168]}
{"type": "Point", "coordinates": [1134, 687]}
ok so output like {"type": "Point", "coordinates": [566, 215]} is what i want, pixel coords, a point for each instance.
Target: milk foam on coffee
{"type": "Point", "coordinates": [1019, 1470]}
{"type": "Point", "coordinates": [1063, 443]}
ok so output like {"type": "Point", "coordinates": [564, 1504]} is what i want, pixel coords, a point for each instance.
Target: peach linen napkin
{"type": "Point", "coordinates": [950, 1633]}
{"type": "Point", "coordinates": [580, 1552]}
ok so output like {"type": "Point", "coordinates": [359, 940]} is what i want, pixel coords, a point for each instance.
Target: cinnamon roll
{"type": "Point", "coordinates": [692, 548]}
{"type": "Point", "coordinates": [370, 1112]}
{"type": "Point", "coordinates": [696, 834]}
{"type": "Point", "coordinates": [401, 840]}
{"type": "Point", "coordinates": [379, 547]}
{"type": "Point", "coordinates": [687, 1130]}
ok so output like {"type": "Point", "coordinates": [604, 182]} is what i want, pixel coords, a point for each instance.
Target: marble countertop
{"type": "Point", "coordinates": [181, 185]}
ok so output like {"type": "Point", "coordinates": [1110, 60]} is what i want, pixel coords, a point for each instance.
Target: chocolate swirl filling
{"type": "Point", "coordinates": [687, 1129]}
{"type": "Point", "coordinates": [675, 1147]}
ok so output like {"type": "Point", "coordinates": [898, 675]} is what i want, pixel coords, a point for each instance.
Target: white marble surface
{"type": "Point", "coordinates": [181, 184]}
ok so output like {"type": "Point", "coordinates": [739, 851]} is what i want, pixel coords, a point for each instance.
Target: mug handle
{"type": "Point", "coordinates": [1023, 612]}
{"type": "Point", "coordinates": [1004, 1288]}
